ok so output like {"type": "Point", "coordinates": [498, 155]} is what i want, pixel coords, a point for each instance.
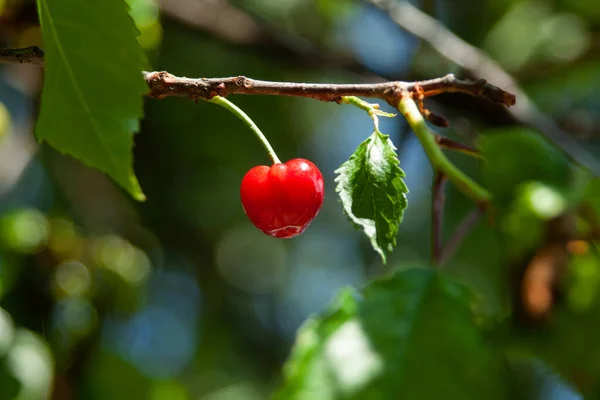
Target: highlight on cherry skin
{"type": "Point", "coordinates": [283, 199]}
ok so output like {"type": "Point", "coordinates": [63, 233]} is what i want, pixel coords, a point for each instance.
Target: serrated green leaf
{"type": "Point", "coordinates": [372, 191]}
{"type": "Point", "coordinates": [93, 87]}
{"type": "Point", "coordinates": [409, 336]}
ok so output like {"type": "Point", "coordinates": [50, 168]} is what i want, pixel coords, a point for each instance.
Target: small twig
{"type": "Point", "coordinates": [437, 216]}
{"type": "Point", "coordinates": [435, 119]}
{"type": "Point", "coordinates": [371, 108]}
{"type": "Point", "coordinates": [460, 234]}
{"type": "Point", "coordinates": [29, 55]}
{"type": "Point", "coordinates": [437, 158]}
{"type": "Point", "coordinates": [446, 143]}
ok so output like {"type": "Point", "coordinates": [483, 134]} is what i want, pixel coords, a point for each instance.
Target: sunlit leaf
{"type": "Point", "coordinates": [93, 87]}
{"type": "Point", "coordinates": [372, 192]}
{"type": "Point", "coordinates": [409, 336]}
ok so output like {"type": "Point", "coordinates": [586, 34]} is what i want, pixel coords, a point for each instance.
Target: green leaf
{"type": "Point", "coordinates": [93, 86]}
{"type": "Point", "coordinates": [372, 192]}
{"type": "Point", "coordinates": [409, 336]}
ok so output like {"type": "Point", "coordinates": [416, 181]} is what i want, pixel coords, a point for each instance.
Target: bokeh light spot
{"type": "Point", "coordinates": [121, 257]}
{"type": "Point", "coordinates": [544, 201]}
{"type": "Point", "coordinates": [24, 230]}
{"type": "Point", "coordinates": [72, 278]}
{"type": "Point", "coordinates": [352, 359]}
{"type": "Point", "coordinates": [567, 37]}
{"type": "Point", "coordinates": [31, 363]}
{"type": "Point", "coordinates": [7, 332]}
{"type": "Point", "coordinates": [77, 315]}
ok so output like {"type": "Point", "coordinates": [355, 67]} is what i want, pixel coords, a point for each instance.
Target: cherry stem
{"type": "Point", "coordinates": [438, 160]}
{"type": "Point", "coordinates": [371, 108]}
{"type": "Point", "coordinates": [223, 102]}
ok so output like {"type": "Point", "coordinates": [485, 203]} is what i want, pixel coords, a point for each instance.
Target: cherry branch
{"type": "Point", "coordinates": [163, 84]}
{"type": "Point", "coordinates": [29, 55]}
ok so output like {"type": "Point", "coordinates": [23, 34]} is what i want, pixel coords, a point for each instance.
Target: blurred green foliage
{"type": "Point", "coordinates": [412, 333]}
{"type": "Point", "coordinates": [180, 297]}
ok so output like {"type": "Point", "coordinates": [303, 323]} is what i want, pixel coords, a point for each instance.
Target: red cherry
{"type": "Point", "coordinates": [282, 200]}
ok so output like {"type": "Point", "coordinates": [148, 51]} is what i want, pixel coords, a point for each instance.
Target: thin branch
{"type": "Point", "coordinates": [437, 216]}
{"type": "Point", "coordinates": [446, 143]}
{"type": "Point", "coordinates": [163, 84]}
{"type": "Point", "coordinates": [372, 109]}
{"type": "Point", "coordinates": [460, 234]}
{"type": "Point", "coordinates": [438, 160]}
{"type": "Point", "coordinates": [477, 63]}
{"type": "Point", "coordinates": [30, 55]}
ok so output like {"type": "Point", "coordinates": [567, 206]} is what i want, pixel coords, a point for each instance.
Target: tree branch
{"type": "Point", "coordinates": [460, 234]}
{"type": "Point", "coordinates": [437, 216]}
{"type": "Point", "coordinates": [163, 84]}
{"type": "Point", "coordinates": [29, 55]}
{"type": "Point", "coordinates": [438, 160]}
{"type": "Point", "coordinates": [446, 143]}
